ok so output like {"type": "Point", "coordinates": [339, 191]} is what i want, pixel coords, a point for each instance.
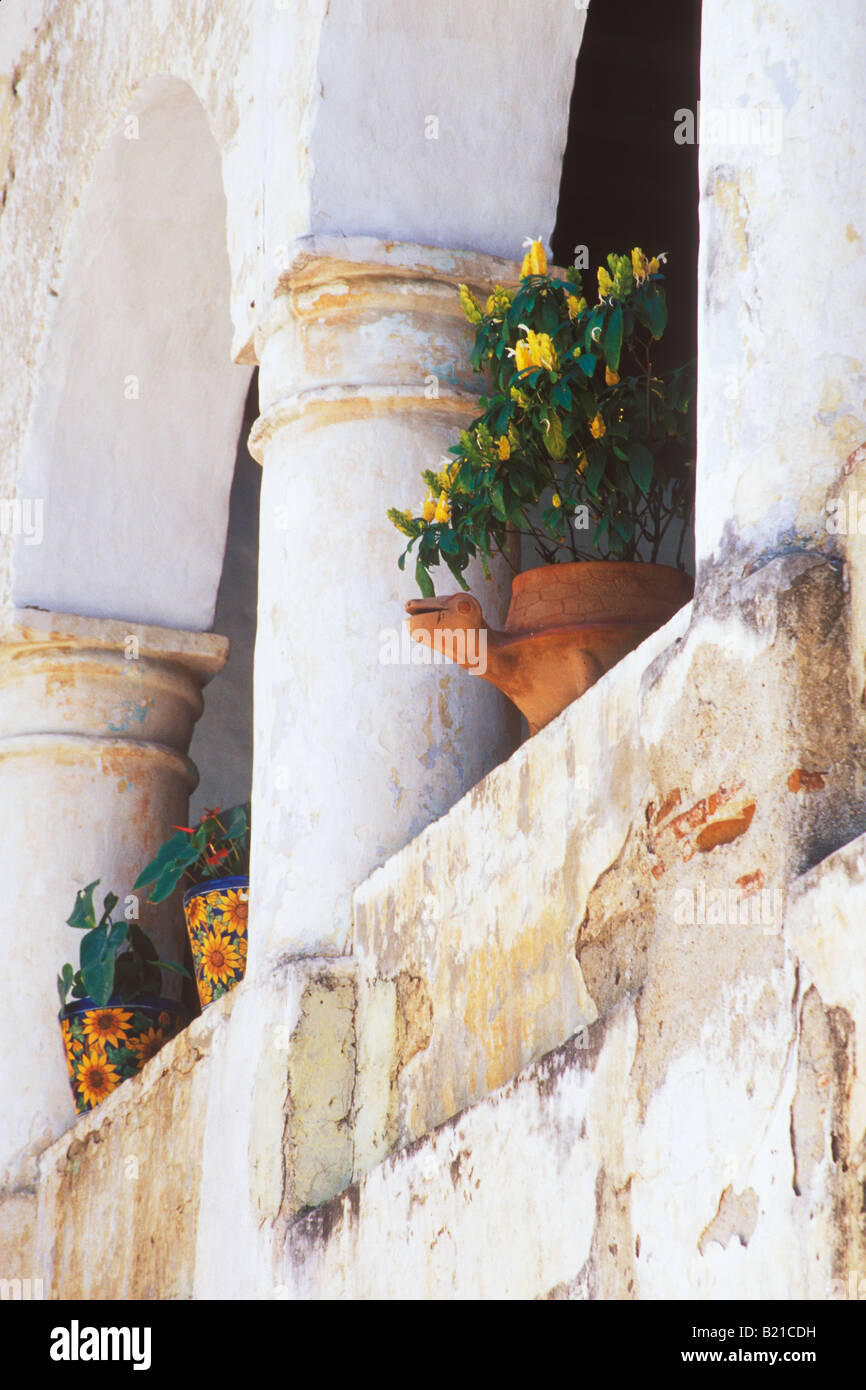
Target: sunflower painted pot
{"type": "Point", "coordinates": [105, 1046]}
{"type": "Point", "coordinates": [216, 920]}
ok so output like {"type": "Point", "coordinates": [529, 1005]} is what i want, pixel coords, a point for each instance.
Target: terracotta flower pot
{"type": "Point", "coordinates": [216, 920]}
{"type": "Point", "coordinates": [106, 1045]}
{"type": "Point", "coordinates": [566, 626]}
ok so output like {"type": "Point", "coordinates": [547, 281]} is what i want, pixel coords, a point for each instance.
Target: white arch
{"type": "Point", "coordinates": [133, 434]}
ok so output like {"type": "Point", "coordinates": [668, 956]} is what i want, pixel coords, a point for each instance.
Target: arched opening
{"type": "Point", "coordinates": [132, 439]}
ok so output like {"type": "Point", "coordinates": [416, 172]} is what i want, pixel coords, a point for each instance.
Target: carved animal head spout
{"type": "Point", "coordinates": [453, 626]}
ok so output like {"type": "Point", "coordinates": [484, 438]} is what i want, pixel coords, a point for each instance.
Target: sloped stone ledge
{"type": "Point", "coordinates": [465, 939]}
{"type": "Point", "coordinates": [711, 767]}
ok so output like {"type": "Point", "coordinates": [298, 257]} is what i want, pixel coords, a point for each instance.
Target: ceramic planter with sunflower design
{"type": "Point", "coordinates": [106, 1045]}
{"type": "Point", "coordinates": [216, 920]}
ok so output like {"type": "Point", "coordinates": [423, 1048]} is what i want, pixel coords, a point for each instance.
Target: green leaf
{"type": "Point", "coordinates": [141, 943]}
{"type": "Point", "coordinates": [425, 584]}
{"type": "Point", "coordinates": [549, 316]}
{"type": "Point", "coordinates": [454, 566]}
{"type": "Point", "coordinates": [128, 976]}
{"type": "Point", "coordinates": [93, 948]}
{"type": "Point", "coordinates": [554, 439]}
{"type": "Point", "coordinates": [64, 983]}
{"type": "Point", "coordinates": [83, 914]}
{"type": "Point", "coordinates": [593, 475]}
{"type": "Point", "coordinates": [236, 821]}
{"type": "Point", "coordinates": [175, 968]}
{"type": "Point", "coordinates": [97, 968]}
{"type": "Point", "coordinates": [166, 883]}
{"type": "Point", "coordinates": [587, 363]}
{"type": "Point", "coordinates": [498, 502]}
{"type": "Point", "coordinates": [641, 466]}
{"type": "Point", "coordinates": [448, 542]}
{"type": "Point", "coordinates": [117, 933]}
{"type": "Point", "coordinates": [611, 338]}
{"type": "Point", "coordinates": [172, 850]}
{"type": "Point", "coordinates": [656, 310]}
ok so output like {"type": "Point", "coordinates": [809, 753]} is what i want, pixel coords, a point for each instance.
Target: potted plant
{"type": "Point", "coordinates": [116, 1020]}
{"type": "Point", "coordinates": [214, 858]}
{"type": "Point", "coordinates": [581, 447]}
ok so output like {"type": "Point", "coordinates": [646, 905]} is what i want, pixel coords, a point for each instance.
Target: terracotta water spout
{"type": "Point", "coordinates": [566, 626]}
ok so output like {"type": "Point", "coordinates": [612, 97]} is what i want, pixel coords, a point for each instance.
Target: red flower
{"type": "Point", "coordinates": [188, 829]}
{"type": "Point", "coordinates": [216, 855]}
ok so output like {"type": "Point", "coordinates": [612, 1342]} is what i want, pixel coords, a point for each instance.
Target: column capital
{"type": "Point", "coordinates": [102, 680]}
{"type": "Point", "coordinates": [315, 260]}
{"type": "Point", "coordinates": [360, 327]}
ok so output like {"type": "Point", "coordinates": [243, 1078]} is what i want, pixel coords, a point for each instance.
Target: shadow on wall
{"type": "Point", "coordinates": [222, 746]}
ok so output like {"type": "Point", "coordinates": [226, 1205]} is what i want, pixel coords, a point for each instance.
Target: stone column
{"type": "Point", "coordinates": [782, 275]}
{"type": "Point", "coordinates": [96, 717]}
{"type": "Point", "coordinates": [363, 383]}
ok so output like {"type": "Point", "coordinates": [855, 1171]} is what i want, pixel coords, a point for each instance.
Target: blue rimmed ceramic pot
{"type": "Point", "coordinates": [216, 920]}
{"type": "Point", "coordinates": [106, 1045]}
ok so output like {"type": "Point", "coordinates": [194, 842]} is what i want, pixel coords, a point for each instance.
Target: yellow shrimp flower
{"type": "Point", "coordinates": [504, 448]}
{"type": "Point", "coordinates": [654, 266]}
{"type": "Point", "coordinates": [610, 378]}
{"type": "Point", "coordinates": [605, 284]}
{"type": "Point", "coordinates": [499, 302]}
{"type": "Point", "coordinates": [544, 353]}
{"type": "Point", "coordinates": [639, 264]}
{"type": "Point", "coordinates": [597, 426]}
{"type": "Point", "coordinates": [471, 307]}
{"type": "Point", "coordinates": [535, 260]}
{"type": "Point", "coordinates": [429, 510]}
{"type": "Point", "coordinates": [523, 355]}
{"type": "Point", "coordinates": [535, 350]}
{"type": "Point", "coordinates": [557, 500]}
{"type": "Point", "coordinates": [443, 508]}
{"type": "Point", "coordinates": [575, 306]}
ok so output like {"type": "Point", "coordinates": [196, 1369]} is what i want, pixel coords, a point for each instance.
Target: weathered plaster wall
{"type": "Point", "coordinates": [433, 103]}
{"type": "Point", "coordinates": [738, 1175]}
{"type": "Point", "coordinates": [782, 271]}
{"type": "Point", "coordinates": [705, 1136]}
{"type": "Point", "coordinates": [64, 88]}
